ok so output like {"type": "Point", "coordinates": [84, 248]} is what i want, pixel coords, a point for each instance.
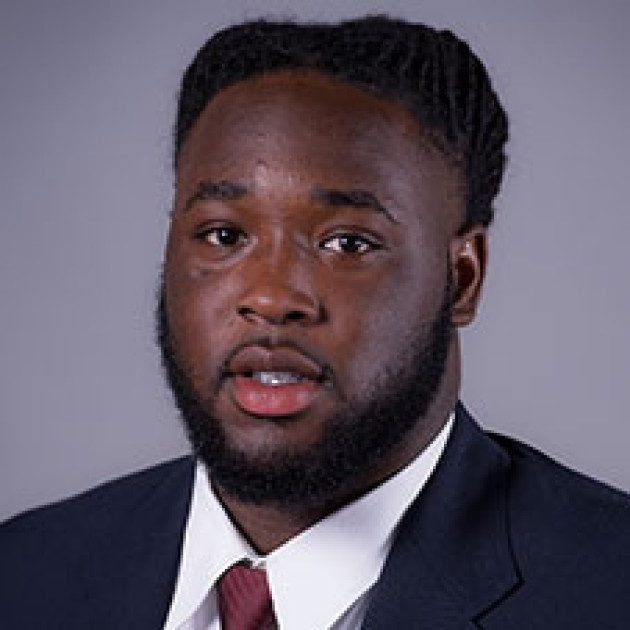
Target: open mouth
{"type": "Point", "coordinates": [277, 378]}
{"type": "Point", "coordinates": [273, 382]}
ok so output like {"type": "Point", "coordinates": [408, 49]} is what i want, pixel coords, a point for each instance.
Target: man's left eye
{"type": "Point", "coordinates": [349, 244]}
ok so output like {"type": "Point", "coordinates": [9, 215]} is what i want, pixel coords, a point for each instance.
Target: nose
{"type": "Point", "coordinates": [279, 293]}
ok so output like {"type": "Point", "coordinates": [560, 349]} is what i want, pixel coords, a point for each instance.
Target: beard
{"type": "Point", "coordinates": [353, 443]}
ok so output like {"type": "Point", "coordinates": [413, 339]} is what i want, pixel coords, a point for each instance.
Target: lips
{"type": "Point", "coordinates": [273, 382]}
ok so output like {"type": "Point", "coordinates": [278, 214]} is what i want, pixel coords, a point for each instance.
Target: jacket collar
{"type": "Point", "coordinates": [451, 561]}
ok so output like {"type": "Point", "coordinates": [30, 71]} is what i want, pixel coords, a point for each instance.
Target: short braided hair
{"type": "Point", "coordinates": [433, 73]}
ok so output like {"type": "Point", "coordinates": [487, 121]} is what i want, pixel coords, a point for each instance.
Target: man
{"type": "Point", "coordinates": [334, 186]}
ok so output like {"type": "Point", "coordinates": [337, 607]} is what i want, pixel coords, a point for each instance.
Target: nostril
{"type": "Point", "coordinates": [295, 316]}
{"type": "Point", "coordinates": [244, 311]}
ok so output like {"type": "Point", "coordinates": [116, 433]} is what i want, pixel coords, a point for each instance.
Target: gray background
{"type": "Point", "coordinates": [88, 98]}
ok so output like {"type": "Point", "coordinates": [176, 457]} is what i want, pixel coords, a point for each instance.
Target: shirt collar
{"type": "Point", "coordinates": [351, 544]}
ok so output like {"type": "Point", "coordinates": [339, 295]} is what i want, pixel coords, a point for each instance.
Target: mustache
{"type": "Point", "coordinates": [269, 339]}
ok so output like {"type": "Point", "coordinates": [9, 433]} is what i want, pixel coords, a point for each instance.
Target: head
{"type": "Point", "coordinates": [334, 185]}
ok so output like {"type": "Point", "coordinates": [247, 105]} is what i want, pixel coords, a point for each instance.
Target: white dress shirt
{"type": "Point", "coordinates": [321, 578]}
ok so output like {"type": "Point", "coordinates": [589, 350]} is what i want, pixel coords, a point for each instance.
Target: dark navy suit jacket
{"type": "Point", "coordinates": [501, 538]}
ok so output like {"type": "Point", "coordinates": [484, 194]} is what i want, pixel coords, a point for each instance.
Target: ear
{"type": "Point", "coordinates": [468, 259]}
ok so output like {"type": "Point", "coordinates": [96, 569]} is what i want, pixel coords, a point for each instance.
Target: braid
{"type": "Point", "coordinates": [433, 73]}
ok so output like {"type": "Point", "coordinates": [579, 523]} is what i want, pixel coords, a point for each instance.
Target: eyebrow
{"type": "Point", "coordinates": [226, 190]}
{"type": "Point", "coordinates": [356, 198]}
{"type": "Point", "coordinates": [223, 190]}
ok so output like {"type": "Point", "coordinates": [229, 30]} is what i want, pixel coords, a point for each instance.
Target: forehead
{"type": "Point", "coordinates": [307, 126]}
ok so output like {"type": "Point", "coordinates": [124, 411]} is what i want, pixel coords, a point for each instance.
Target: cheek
{"type": "Point", "coordinates": [197, 311]}
{"type": "Point", "coordinates": [378, 321]}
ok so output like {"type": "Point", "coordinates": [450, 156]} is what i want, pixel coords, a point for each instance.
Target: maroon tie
{"type": "Point", "coordinates": [244, 599]}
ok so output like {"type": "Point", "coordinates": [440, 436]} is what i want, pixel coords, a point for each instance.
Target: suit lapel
{"type": "Point", "coordinates": [130, 578]}
{"type": "Point", "coordinates": [451, 559]}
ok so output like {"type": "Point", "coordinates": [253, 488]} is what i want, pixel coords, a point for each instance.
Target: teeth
{"type": "Point", "coordinates": [276, 378]}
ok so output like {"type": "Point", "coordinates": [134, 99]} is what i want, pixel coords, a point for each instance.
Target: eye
{"type": "Point", "coordinates": [222, 235]}
{"type": "Point", "coordinates": [349, 244]}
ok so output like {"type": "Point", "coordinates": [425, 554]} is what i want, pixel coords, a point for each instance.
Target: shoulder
{"type": "Point", "coordinates": [93, 559]}
{"type": "Point", "coordinates": [544, 492]}
{"type": "Point", "coordinates": [94, 504]}
{"type": "Point", "coordinates": [71, 528]}
{"type": "Point", "coordinates": [551, 511]}
{"type": "Point", "coordinates": [569, 536]}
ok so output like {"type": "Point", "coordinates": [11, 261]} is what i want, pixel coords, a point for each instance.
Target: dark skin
{"type": "Point", "coordinates": [311, 214]}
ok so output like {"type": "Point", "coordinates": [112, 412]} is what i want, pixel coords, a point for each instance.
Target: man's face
{"type": "Point", "coordinates": [305, 314]}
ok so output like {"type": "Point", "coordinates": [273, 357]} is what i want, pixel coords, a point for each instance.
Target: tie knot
{"type": "Point", "coordinates": [244, 599]}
